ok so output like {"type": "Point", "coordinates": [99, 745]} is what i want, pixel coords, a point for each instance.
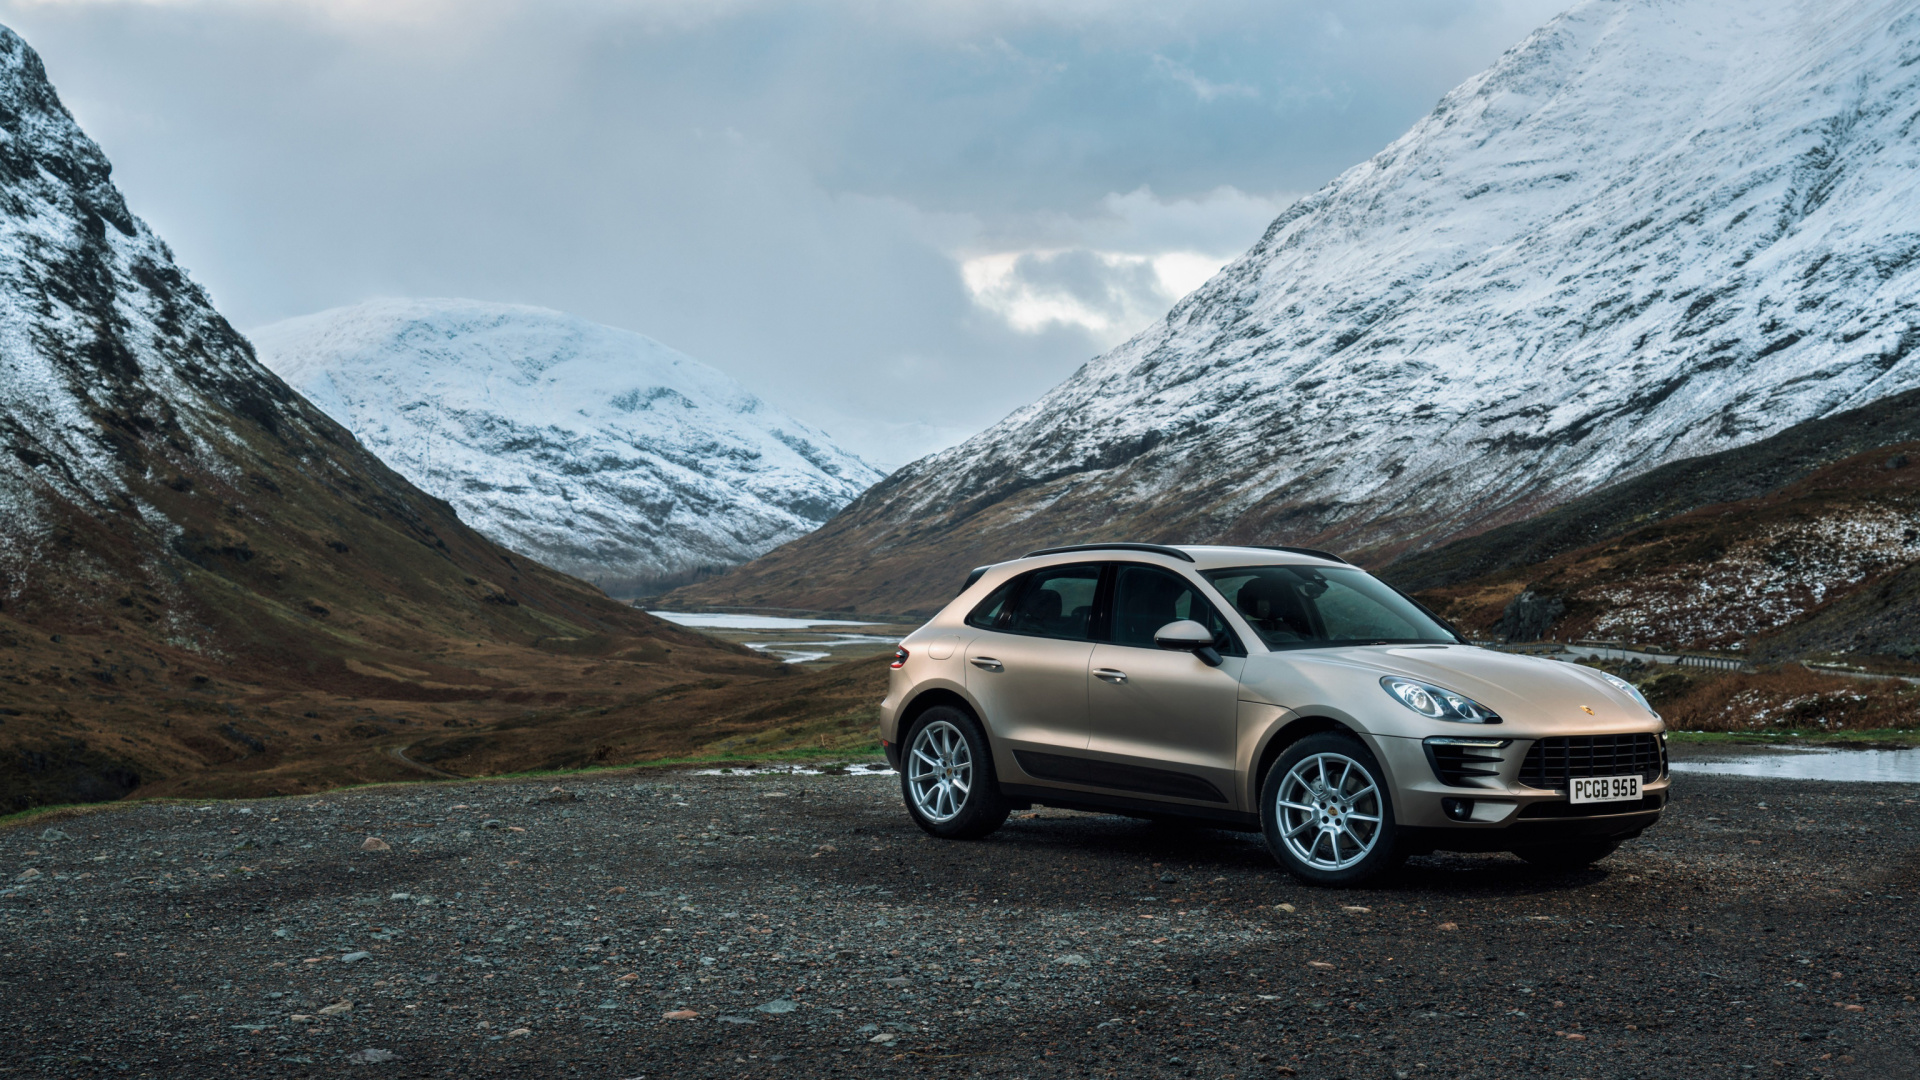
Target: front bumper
{"type": "Point", "coordinates": [1502, 803]}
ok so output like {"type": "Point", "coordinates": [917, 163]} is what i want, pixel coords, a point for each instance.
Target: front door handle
{"type": "Point", "coordinates": [987, 663]}
{"type": "Point", "coordinates": [1112, 675]}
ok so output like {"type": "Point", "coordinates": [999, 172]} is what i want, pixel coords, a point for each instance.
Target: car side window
{"type": "Point", "coordinates": [987, 614]}
{"type": "Point", "coordinates": [1146, 598]}
{"type": "Point", "coordinates": [1056, 602]}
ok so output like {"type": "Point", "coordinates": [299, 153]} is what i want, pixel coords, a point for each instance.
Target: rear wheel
{"type": "Point", "coordinates": [1569, 856]}
{"type": "Point", "coordinates": [947, 776]}
{"type": "Point", "coordinates": [1327, 813]}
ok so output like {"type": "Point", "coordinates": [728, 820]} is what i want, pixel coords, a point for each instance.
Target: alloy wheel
{"type": "Point", "coordinates": [1329, 810]}
{"type": "Point", "coordinates": [940, 771]}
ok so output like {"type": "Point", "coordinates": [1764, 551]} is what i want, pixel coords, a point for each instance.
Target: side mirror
{"type": "Point", "coordinates": [1188, 636]}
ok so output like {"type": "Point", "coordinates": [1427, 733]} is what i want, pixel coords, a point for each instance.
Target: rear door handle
{"type": "Point", "coordinates": [987, 663]}
{"type": "Point", "coordinates": [1112, 675]}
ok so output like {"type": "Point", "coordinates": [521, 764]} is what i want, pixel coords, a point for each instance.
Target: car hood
{"type": "Point", "coordinates": [1522, 689]}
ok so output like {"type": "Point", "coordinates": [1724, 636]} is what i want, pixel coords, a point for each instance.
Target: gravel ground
{"type": "Point", "coordinates": [672, 925]}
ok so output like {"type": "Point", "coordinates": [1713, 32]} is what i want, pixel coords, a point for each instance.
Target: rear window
{"type": "Point", "coordinates": [986, 615]}
{"type": "Point", "coordinates": [1056, 602]}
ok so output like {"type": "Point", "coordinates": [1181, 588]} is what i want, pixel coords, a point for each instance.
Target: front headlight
{"type": "Point", "coordinates": [1431, 701]}
{"type": "Point", "coordinates": [1627, 688]}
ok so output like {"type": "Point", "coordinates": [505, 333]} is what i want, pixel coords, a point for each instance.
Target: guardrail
{"type": "Point", "coordinates": [1718, 663]}
{"type": "Point", "coordinates": [1614, 650]}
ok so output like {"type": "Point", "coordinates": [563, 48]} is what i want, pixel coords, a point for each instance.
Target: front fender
{"type": "Point", "coordinates": [1266, 730]}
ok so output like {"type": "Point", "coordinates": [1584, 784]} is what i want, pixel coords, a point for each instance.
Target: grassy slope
{"type": "Point", "coordinates": [1667, 492]}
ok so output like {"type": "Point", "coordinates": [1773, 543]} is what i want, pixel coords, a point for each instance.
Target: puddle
{"type": "Point", "coordinates": [857, 768]}
{"type": "Point", "coordinates": [748, 622]}
{"type": "Point", "coordinates": [1865, 766]}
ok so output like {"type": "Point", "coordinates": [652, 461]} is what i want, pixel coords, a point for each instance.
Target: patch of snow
{"type": "Point", "coordinates": [1765, 582]}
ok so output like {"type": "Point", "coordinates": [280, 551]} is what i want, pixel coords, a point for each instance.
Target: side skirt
{"type": "Point", "coordinates": [1143, 808]}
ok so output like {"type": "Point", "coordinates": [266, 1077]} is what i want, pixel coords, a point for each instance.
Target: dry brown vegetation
{"type": "Point", "coordinates": [101, 717]}
{"type": "Point", "coordinates": [1788, 697]}
{"type": "Point", "coordinates": [1724, 576]}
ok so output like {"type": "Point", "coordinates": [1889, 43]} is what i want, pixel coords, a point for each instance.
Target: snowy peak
{"type": "Point", "coordinates": [599, 451]}
{"type": "Point", "coordinates": [1652, 230]}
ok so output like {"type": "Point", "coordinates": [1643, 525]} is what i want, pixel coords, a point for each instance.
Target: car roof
{"type": "Point", "coordinates": [1199, 556]}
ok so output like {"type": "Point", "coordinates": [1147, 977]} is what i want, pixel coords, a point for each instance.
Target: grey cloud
{"type": "Point", "coordinates": [789, 192]}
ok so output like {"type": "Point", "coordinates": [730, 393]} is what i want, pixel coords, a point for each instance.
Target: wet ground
{"type": "Point", "coordinates": [1808, 763]}
{"type": "Point", "coordinates": [779, 926]}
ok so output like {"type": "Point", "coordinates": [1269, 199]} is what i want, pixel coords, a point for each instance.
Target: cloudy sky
{"type": "Point", "coordinates": [897, 220]}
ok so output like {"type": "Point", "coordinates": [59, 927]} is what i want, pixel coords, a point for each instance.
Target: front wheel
{"type": "Point", "coordinates": [1327, 813]}
{"type": "Point", "coordinates": [947, 776]}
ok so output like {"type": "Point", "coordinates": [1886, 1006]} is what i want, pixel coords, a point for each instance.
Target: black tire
{"type": "Point", "coordinates": [1386, 851]}
{"type": "Point", "coordinates": [1571, 856]}
{"type": "Point", "coordinates": [982, 808]}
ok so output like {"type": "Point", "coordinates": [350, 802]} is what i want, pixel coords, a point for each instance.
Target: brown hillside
{"type": "Point", "coordinates": [1749, 472]}
{"type": "Point", "coordinates": [1736, 575]}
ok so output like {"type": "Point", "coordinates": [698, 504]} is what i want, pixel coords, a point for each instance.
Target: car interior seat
{"type": "Point", "coordinates": [1275, 608]}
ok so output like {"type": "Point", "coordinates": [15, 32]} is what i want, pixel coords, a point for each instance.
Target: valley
{"type": "Point", "coordinates": [384, 542]}
{"type": "Point", "coordinates": [209, 587]}
{"type": "Point", "coordinates": [451, 686]}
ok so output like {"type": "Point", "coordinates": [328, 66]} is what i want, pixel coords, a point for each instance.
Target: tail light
{"type": "Point", "coordinates": [899, 657]}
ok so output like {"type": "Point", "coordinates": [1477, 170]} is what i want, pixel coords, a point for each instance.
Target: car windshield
{"type": "Point", "coordinates": [1298, 607]}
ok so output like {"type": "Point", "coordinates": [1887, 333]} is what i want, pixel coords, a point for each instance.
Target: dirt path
{"type": "Point", "coordinates": [1766, 929]}
{"type": "Point", "coordinates": [399, 754]}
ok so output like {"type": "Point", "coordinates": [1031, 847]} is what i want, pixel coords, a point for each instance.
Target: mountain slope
{"type": "Point", "coordinates": [1817, 565]}
{"type": "Point", "coordinates": [201, 571]}
{"type": "Point", "coordinates": [1675, 488]}
{"type": "Point", "coordinates": [598, 451]}
{"type": "Point", "coordinates": [1652, 230]}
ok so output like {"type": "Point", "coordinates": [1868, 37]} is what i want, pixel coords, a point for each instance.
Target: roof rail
{"type": "Point", "coordinates": [1157, 549]}
{"type": "Point", "coordinates": [1315, 552]}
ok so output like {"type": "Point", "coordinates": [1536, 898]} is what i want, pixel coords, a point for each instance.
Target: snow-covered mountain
{"type": "Point", "coordinates": [1653, 229]}
{"type": "Point", "coordinates": [598, 451]}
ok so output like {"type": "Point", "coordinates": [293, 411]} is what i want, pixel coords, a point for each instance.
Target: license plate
{"type": "Point", "coordinates": [1604, 789]}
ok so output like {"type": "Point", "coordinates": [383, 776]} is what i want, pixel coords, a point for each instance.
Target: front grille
{"type": "Point", "coordinates": [1552, 762]}
{"type": "Point", "coordinates": [1458, 762]}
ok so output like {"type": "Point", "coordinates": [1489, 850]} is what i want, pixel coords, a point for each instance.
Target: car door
{"type": "Point", "coordinates": [1027, 669]}
{"type": "Point", "coordinates": [1164, 723]}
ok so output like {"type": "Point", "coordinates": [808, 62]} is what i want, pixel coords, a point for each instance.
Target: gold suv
{"type": "Point", "coordinates": [1271, 689]}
